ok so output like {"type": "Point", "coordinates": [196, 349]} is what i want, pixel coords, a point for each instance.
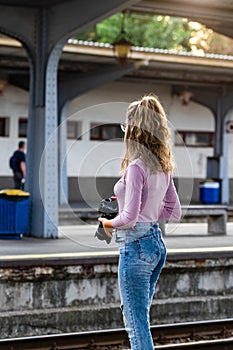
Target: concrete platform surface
{"type": "Point", "coordinates": [79, 241]}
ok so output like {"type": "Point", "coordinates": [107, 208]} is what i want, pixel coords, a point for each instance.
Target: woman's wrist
{"type": "Point", "coordinates": [108, 224]}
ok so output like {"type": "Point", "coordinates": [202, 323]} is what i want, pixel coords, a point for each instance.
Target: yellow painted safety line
{"type": "Point", "coordinates": [109, 253]}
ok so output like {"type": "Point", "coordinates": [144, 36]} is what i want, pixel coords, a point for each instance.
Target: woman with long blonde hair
{"type": "Point", "coordinates": [145, 194]}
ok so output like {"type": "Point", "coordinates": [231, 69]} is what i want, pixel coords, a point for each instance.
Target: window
{"type": "Point", "coordinates": [4, 126]}
{"type": "Point", "coordinates": [103, 132]}
{"type": "Point", "coordinates": [194, 138]}
{"type": "Point", "coordinates": [23, 124]}
{"type": "Point", "coordinates": [74, 130]}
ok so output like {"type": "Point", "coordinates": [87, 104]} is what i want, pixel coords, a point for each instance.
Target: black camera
{"type": "Point", "coordinates": [108, 208]}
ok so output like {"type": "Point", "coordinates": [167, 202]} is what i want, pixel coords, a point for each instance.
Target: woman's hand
{"type": "Point", "coordinates": [107, 225]}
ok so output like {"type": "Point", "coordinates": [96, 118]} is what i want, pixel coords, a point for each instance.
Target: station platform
{"type": "Point", "coordinates": [77, 241]}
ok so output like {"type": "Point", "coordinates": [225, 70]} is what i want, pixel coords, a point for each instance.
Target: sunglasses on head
{"type": "Point", "coordinates": [123, 127]}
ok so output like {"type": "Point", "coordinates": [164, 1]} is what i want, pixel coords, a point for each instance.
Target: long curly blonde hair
{"type": "Point", "coordinates": [147, 135]}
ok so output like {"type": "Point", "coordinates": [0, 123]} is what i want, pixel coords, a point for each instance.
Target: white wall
{"type": "Point", "coordinates": [108, 104]}
{"type": "Point", "coordinates": [13, 104]}
{"type": "Point", "coordinates": [229, 145]}
{"type": "Point", "coordinates": [96, 158]}
{"type": "Point", "coordinates": [191, 162]}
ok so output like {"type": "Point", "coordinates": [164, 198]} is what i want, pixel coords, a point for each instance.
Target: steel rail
{"type": "Point", "coordinates": [162, 333]}
{"type": "Point", "coordinates": [192, 329]}
{"type": "Point", "coordinates": [220, 344]}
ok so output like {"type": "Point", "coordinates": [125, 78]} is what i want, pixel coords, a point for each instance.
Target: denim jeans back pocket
{"type": "Point", "coordinates": [149, 249]}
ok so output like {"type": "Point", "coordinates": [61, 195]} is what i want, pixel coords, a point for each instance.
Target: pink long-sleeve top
{"type": "Point", "coordinates": [145, 197]}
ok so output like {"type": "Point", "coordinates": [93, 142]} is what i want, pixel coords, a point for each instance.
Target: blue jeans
{"type": "Point", "coordinates": [142, 257]}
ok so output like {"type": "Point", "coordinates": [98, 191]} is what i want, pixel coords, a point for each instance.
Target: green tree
{"type": "Point", "coordinates": [167, 33]}
{"type": "Point", "coordinates": [163, 32]}
{"type": "Point", "coordinates": [88, 35]}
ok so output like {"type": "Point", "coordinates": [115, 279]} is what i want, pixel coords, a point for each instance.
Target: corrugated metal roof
{"type": "Point", "coordinates": [152, 50]}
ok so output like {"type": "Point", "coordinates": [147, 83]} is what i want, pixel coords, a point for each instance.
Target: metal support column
{"type": "Point", "coordinates": [42, 170]}
{"type": "Point", "coordinates": [63, 178]}
{"type": "Point", "coordinates": [219, 100]}
{"type": "Point", "coordinates": [43, 28]}
{"type": "Point", "coordinates": [49, 164]}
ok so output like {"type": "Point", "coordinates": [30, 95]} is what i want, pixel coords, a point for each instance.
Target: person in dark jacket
{"type": "Point", "coordinates": [19, 166]}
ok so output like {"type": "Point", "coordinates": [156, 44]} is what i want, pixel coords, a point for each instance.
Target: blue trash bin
{"type": "Point", "coordinates": [209, 192]}
{"type": "Point", "coordinates": [14, 214]}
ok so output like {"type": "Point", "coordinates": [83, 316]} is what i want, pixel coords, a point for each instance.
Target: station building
{"type": "Point", "coordinates": [94, 140]}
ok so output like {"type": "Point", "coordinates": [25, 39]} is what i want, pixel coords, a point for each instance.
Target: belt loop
{"type": "Point", "coordinates": [155, 225]}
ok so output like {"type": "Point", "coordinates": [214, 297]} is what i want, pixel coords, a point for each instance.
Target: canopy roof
{"type": "Point", "coordinates": [31, 3]}
{"type": "Point", "coordinates": [216, 14]}
{"type": "Point", "coordinates": [159, 65]}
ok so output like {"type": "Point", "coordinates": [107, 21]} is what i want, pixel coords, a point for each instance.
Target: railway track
{"type": "Point", "coordinates": [214, 335]}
